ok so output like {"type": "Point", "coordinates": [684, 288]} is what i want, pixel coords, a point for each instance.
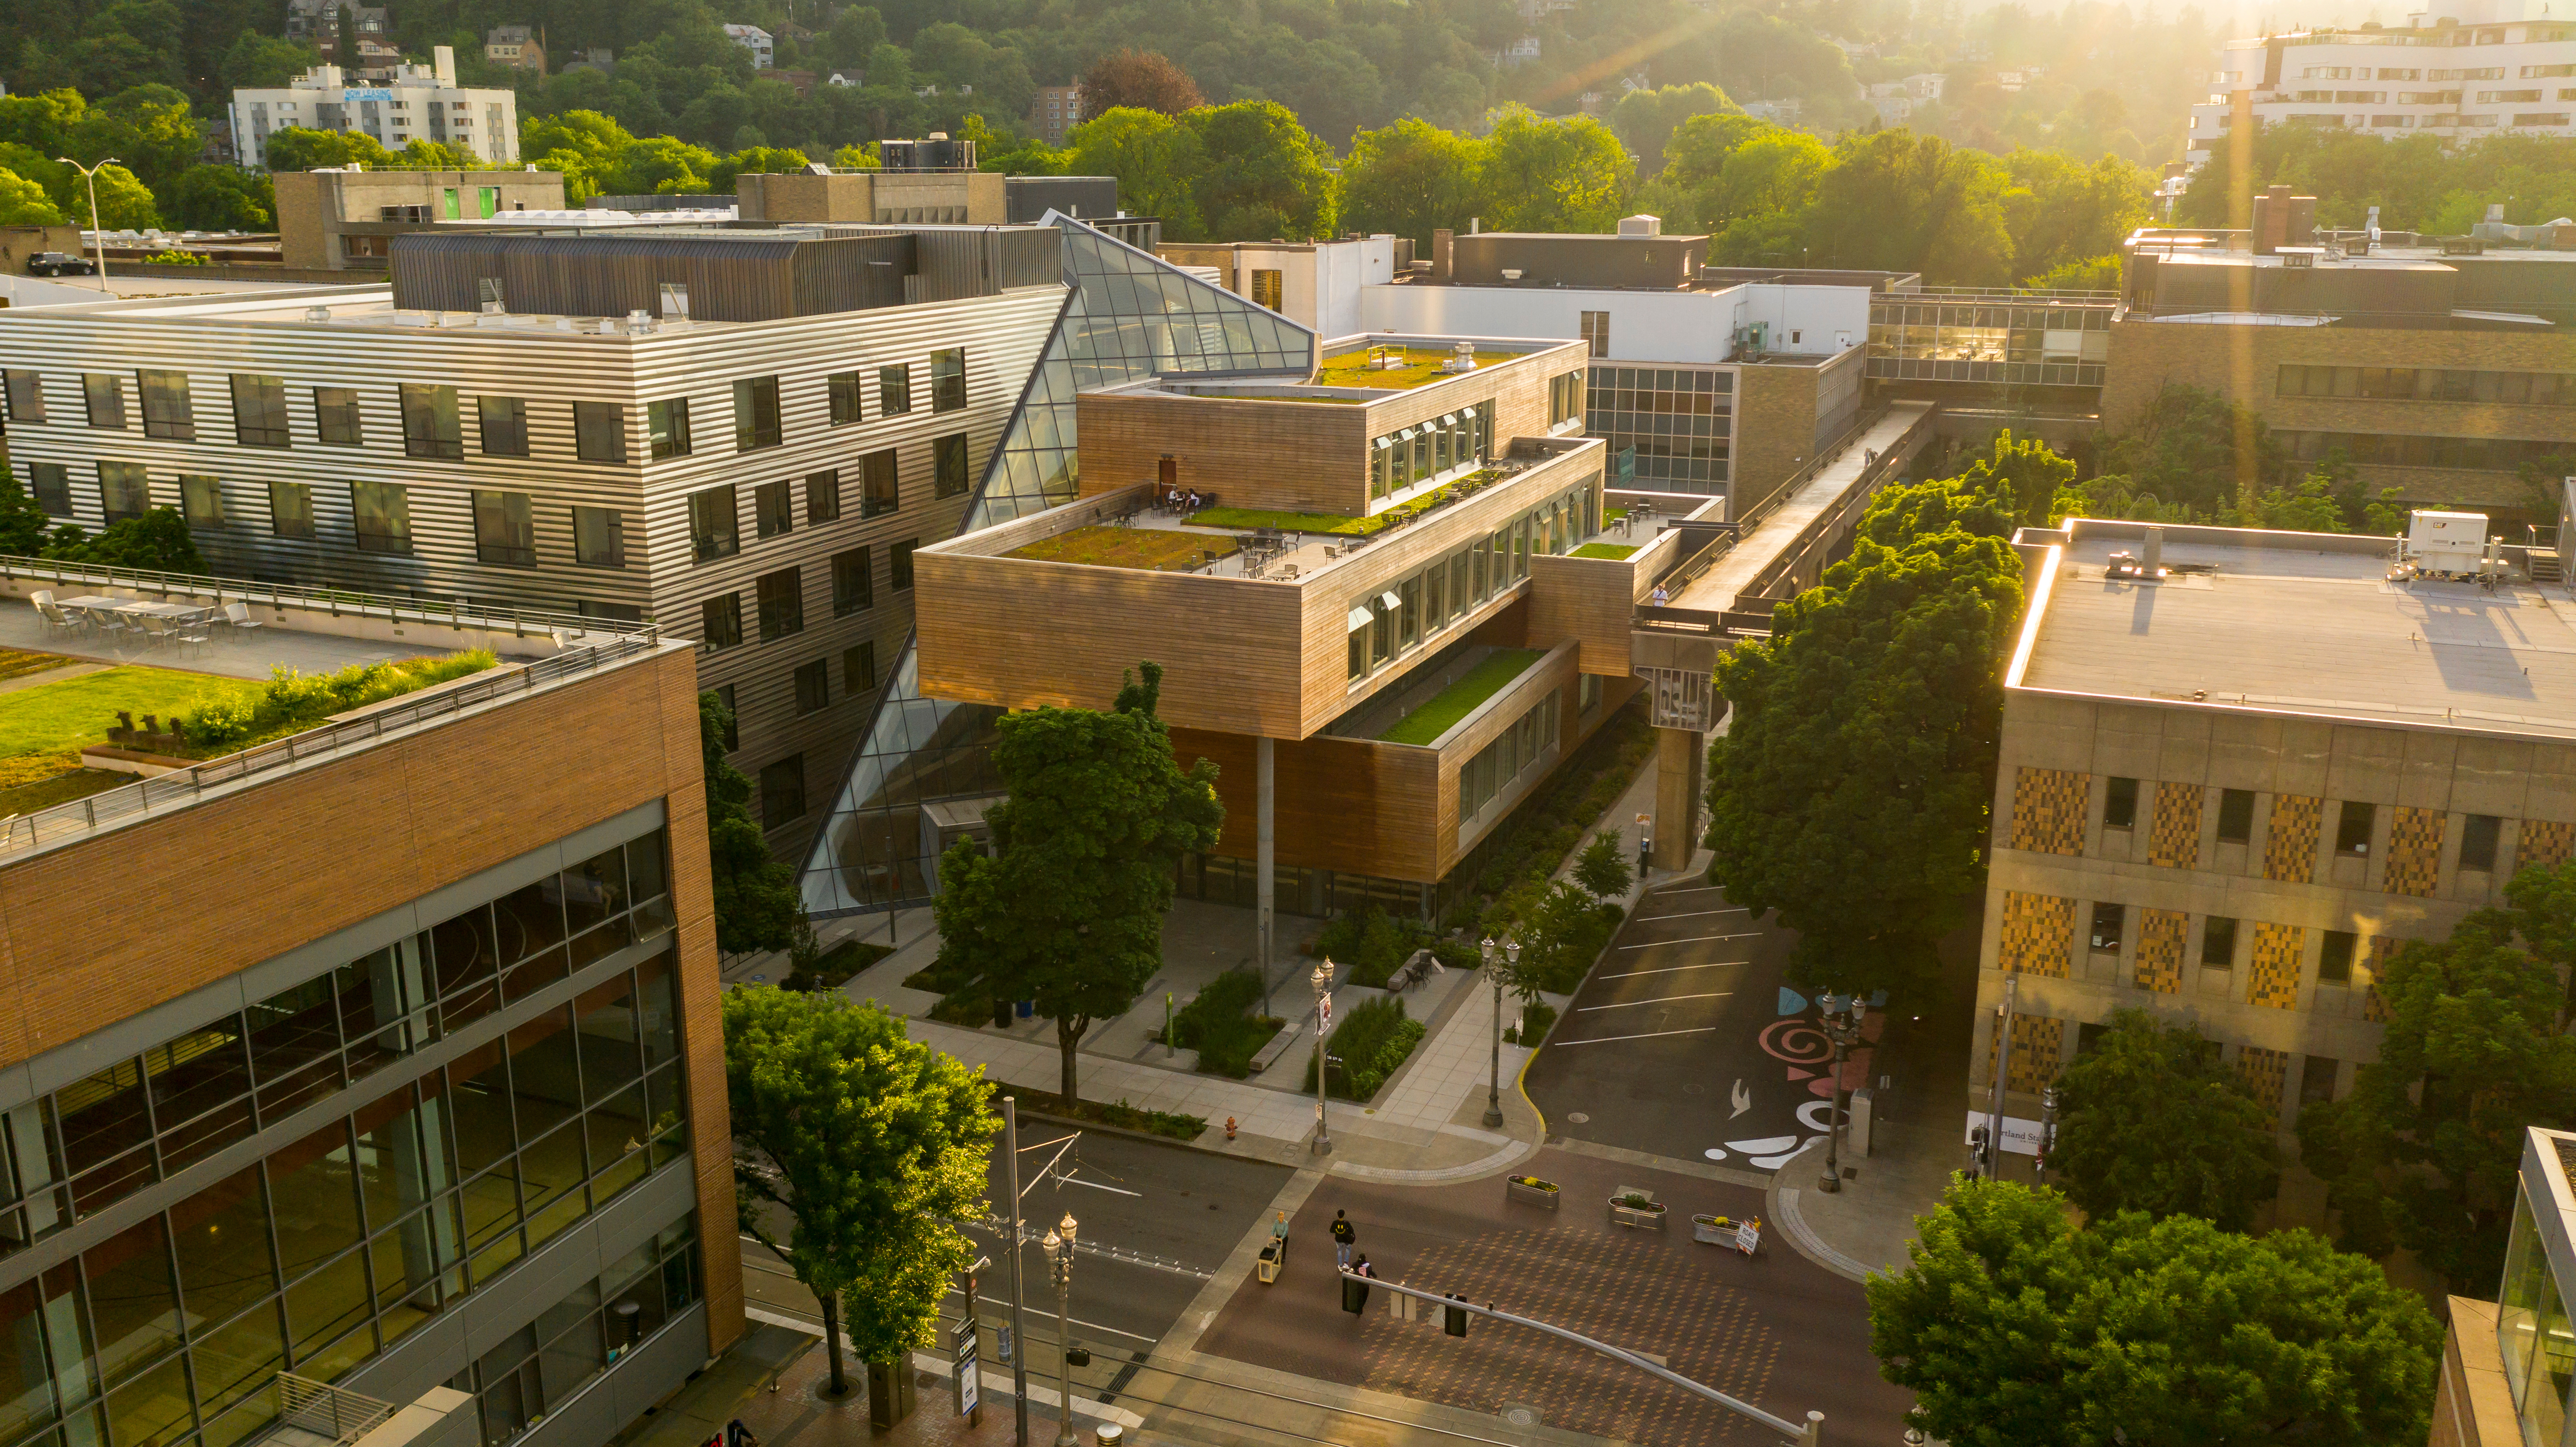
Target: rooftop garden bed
{"type": "Point", "coordinates": [44, 728]}
{"type": "Point", "coordinates": [1442, 712]}
{"type": "Point", "coordinates": [1156, 549]}
{"type": "Point", "coordinates": [1603, 550]}
{"type": "Point", "coordinates": [1421, 364]}
{"type": "Point", "coordinates": [291, 702]}
{"type": "Point", "coordinates": [1334, 523]}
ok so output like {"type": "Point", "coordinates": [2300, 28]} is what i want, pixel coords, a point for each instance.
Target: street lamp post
{"type": "Point", "coordinates": [97, 229]}
{"type": "Point", "coordinates": [1842, 1023]}
{"type": "Point", "coordinates": [1494, 1082]}
{"type": "Point", "coordinates": [1323, 982]}
{"type": "Point", "coordinates": [2047, 1133]}
{"type": "Point", "coordinates": [1059, 1252]}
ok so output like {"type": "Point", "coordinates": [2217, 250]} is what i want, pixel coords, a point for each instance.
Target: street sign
{"type": "Point", "coordinates": [969, 1378]}
{"type": "Point", "coordinates": [2021, 1137]}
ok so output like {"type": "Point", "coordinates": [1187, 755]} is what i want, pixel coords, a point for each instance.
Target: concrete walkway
{"type": "Point", "coordinates": [1716, 589]}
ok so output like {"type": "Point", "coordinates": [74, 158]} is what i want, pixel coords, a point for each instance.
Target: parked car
{"type": "Point", "coordinates": [60, 263]}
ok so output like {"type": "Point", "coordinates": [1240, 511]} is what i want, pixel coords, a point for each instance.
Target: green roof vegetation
{"type": "Point", "coordinates": [44, 728]}
{"type": "Point", "coordinates": [1161, 550]}
{"type": "Point", "coordinates": [1286, 522]}
{"type": "Point", "coordinates": [1603, 550]}
{"type": "Point", "coordinates": [1421, 364]}
{"type": "Point", "coordinates": [1445, 708]}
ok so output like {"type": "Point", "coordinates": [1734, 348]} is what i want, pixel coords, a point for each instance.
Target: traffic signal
{"type": "Point", "coordinates": [1453, 1319]}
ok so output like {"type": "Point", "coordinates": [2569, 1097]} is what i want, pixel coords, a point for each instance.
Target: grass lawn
{"type": "Point", "coordinates": [1157, 548]}
{"type": "Point", "coordinates": [43, 729]}
{"type": "Point", "coordinates": [1602, 550]}
{"type": "Point", "coordinates": [1286, 522]}
{"type": "Point", "coordinates": [1421, 364]}
{"type": "Point", "coordinates": [1459, 699]}
{"type": "Point", "coordinates": [18, 662]}
{"type": "Point", "coordinates": [60, 789]}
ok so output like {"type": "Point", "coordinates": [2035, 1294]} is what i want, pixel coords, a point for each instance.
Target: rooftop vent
{"type": "Point", "coordinates": [317, 314]}
{"type": "Point", "coordinates": [1641, 224]}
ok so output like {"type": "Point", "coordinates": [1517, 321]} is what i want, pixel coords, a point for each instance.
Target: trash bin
{"type": "Point", "coordinates": [1354, 1295]}
{"type": "Point", "coordinates": [1268, 1269]}
{"type": "Point", "coordinates": [1028, 1009]}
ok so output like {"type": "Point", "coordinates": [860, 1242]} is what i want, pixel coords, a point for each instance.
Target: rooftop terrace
{"type": "Point", "coordinates": [1396, 368]}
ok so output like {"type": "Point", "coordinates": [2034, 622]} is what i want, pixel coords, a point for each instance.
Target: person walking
{"type": "Point", "coordinates": [1343, 1235]}
{"type": "Point", "coordinates": [1279, 1236]}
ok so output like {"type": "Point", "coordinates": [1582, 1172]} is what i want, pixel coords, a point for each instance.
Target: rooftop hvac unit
{"type": "Point", "coordinates": [2450, 545]}
{"type": "Point", "coordinates": [1641, 224]}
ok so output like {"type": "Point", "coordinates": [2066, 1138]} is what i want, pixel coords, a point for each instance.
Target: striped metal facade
{"type": "Point", "coordinates": [549, 370]}
{"type": "Point", "coordinates": [732, 277]}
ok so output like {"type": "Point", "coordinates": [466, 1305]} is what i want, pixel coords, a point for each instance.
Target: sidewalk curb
{"type": "Point", "coordinates": [1784, 1209]}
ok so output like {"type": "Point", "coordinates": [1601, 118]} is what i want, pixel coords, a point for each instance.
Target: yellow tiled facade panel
{"type": "Point", "coordinates": [2267, 1071]}
{"type": "Point", "coordinates": [2290, 850]}
{"type": "Point", "coordinates": [2544, 842]}
{"type": "Point", "coordinates": [2414, 852]}
{"type": "Point", "coordinates": [2036, 1040]}
{"type": "Point", "coordinates": [2160, 949]}
{"type": "Point", "coordinates": [2175, 840]}
{"type": "Point", "coordinates": [2274, 979]}
{"type": "Point", "coordinates": [2048, 810]}
{"type": "Point", "coordinates": [2038, 930]}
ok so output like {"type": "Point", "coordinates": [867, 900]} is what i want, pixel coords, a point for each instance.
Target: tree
{"type": "Point", "coordinates": [755, 894]}
{"type": "Point", "coordinates": [854, 34]}
{"type": "Point", "coordinates": [223, 198]}
{"type": "Point", "coordinates": [1644, 119]}
{"type": "Point", "coordinates": [1896, 201]}
{"type": "Point", "coordinates": [1143, 79]}
{"type": "Point", "coordinates": [1410, 178]}
{"type": "Point", "coordinates": [1156, 159]}
{"type": "Point", "coordinates": [158, 540]}
{"type": "Point", "coordinates": [2024, 477]}
{"type": "Point", "coordinates": [1067, 910]}
{"type": "Point", "coordinates": [1543, 175]}
{"type": "Point", "coordinates": [299, 149]}
{"type": "Point", "coordinates": [22, 523]}
{"type": "Point", "coordinates": [263, 62]}
{"type": "Point", "coordinates": [2192, 446]}
{"type": "Point", "coordinates": [2015, 1329]}
{"type": "Point", "coordinates": [2061, 210]}
{"type": "Point", "coordinates": [124, 203]}
{"type": "Point", "coordinates": [1602, 867]}
{"type": "Point", "coordinates": [869, 1143]}
{"type": "Point", "coordinates": [1266, 176]}
{"type": "Point", "coordinates": [2425, 1150]}
{"type": "Point", "coordinates": [2210, 1151]}
{"type": "Point", "coordinates": [24, 203]}
{"type": "Point", "coordinates": [1851, 788]}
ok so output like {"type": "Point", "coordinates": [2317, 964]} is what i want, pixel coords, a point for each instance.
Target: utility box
{"type": "Point", "coordinates": [2446, 542]}
{"type": "Point", "coordinates": [1856, 1120]}
{"type": "Point", "coordinates": [891, 1397]}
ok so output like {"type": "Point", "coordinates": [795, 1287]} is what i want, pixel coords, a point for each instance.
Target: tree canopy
{"type": "Point", "coordinates": [2150, 1120]}
{"type": "Point", "coordinates": [756, 902]}
{"type": "Point", "coordinates": [1142, 79]}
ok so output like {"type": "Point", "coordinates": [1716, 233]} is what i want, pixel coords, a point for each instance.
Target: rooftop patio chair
{"type": "Point", "coordinates": [237, 618]}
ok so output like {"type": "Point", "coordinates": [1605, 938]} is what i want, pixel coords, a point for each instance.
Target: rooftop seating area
{"type": "Point", "coordinates": [1395, 368]}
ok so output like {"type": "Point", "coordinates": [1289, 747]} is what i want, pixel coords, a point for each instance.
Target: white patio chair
{"type": "Point", "coordinates": [237, 618]}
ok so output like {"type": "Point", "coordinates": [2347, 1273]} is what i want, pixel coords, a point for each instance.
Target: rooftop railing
{"type": "Point", "coordinates": [327, 1411]}
{"type": "Point", "coordinates": [335, 602]}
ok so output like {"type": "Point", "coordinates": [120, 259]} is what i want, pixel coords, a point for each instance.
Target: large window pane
{"type": "Point", "coordinates": [948, 379]}
{"type": "Point", "coordinates": [237, 1360]}
{"type": "Point", "coordinates": [949, 455]}
{"type": "Point", "coordinates": [755, 413]}
{"type": "Point", "coordinates": [133, 1302]}
{"type": "Point", "coordinates": [290, 509]}
{"type": "Point", "coordinates": [504, 423]}
{"type": "Point", "coordinates": [200, 1092]}
{"type": "Point", "coordinates": [598, 537]}
{"type": "Point", "coordinates": [165, 405]}
{"type": "Point", "coordinates": [221, 1237]}
{"type": "Point", "coordinates": [571, 1354]}
{"type": "Point", "coordinates": [782, 604]}
{"type": "Point", "coordinates": [105, 394]}
{"type": "Point", "coordinates": [599, 431]}
{"type": "Point", "coordinates": [480, 1096]}
{"type": "Point", "coordinates": [468, 960]}
{"type": "Point", "coordinates": [295, 1048]}
{"type": "Point", "coordinates": [381, 516]}
{"type": "Point", "coordinates": [657, 1017]}
{"type": "Point", "coordinates": [107, 1135]}
{"type": "Point", "coordinates": [315, 1187]}
{"type": "Point", "coordinates": [123, 491]}
{"type": "Point", "coordinates": [667, 424]}
{"type": "Point", "coordinates": [505, 528]}
{"type": "Point", "coordinates": [545, 1076]}
{"type": "Point", "coordinates": [151, 1409]}
{"type": "Point", "coordinates": [429, 421]}
{"type": "Point", "coordinates": [336, 416]}
{"type": "Point", "coordinates": [378, 993]}
{"type": "Point", "coordinates": [713, 532]}
{"type": "Point", "coordinates": [259, 411]}
{"type": "Point", "coordinates": [26, 1395]}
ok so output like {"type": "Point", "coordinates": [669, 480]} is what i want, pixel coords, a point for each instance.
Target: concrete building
{"type": "Point", "coordinates": [2229, 796]}
{"type": "Point", "coordinates": [2507, 1364]}
{"type": "Point", "coordinates": [316, 22]}
{"type": "Point", "coordinates": [346, 220]}
{"type": "Point", "coordinates": [415, 103]}
{"type": "Point", "coordinates": [2438, 368]}
{"type": "Point", "coordinates": [927, 182]}
{"type": "Point", "coordinates": [2461, 69]}
{"type": "Point", "coordinates": [757, 41]}
{"type": "Point", "coordinates": [1316, 284]}
{"type": "Point", "coordinates": [741, 434]}
{"type": "Point", "coordinates": [1054, 110]}
{"type": "Point", "coordinates": [516, 47]}
{"type": "Point", "coordinates": [383, 1108]}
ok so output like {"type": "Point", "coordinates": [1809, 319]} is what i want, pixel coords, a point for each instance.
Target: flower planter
{"type": "Point", "coordinates": [1531, 1191]}
{"type": "Point", "coordinates": [1649, 1217]}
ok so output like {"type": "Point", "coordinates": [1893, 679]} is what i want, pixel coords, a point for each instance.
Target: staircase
{"type": "Point", "coordinates": [2543, 563]}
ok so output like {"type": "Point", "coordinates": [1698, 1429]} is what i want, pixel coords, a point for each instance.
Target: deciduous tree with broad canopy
{"type": "Point", "coordinates": [2150, 1120]}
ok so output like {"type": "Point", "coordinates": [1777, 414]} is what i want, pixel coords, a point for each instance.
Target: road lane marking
{"type": "Point", "coordinates": [1694, 889]}
{"type": "Point", "coordinates": [1095, 1185]}
{"type": "Point", "coordinates": [1671, 969]}
{"type": "Point", "coordinates": [1693, 940]}
{"type": "Point", "coordinates": [1658, 1000]}
{"type": "Point", "coordinates": [1649, 1035]}
{"type": "Point", "coordinates": [1690, 914]}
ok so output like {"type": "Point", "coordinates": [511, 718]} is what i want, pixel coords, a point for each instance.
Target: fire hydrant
{"type": "Point", "coordinates": [1229, 1127]}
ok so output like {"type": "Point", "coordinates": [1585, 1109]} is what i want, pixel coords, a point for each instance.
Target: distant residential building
{"type": "Point", "coordinates": [598, 58]}
{"type": "Point", "coordinates": [1054, 110]}
{"type": "Point", "coordinates": [850, 78]}
{"type": "Point", "coordinates": [803, 80]}
{"type": "Point", "coordinates": [218, 149]}
{"type": "Point", "coordinates": [315, 22]}
{"type": "Point", "coordinates": [416, 103]}
{"type": "Point", "coordinates": [514, 47]}
{"type": "Point", "coordinates": [1521, 51]}
{"type": "Point", "coordinates": [755, 40]}
{"type": "Point", "coordinates": [1925, 85]}
{"type": "Point", "coordinates": [1315, 284]}
{"type": "Point", "coordinates": [1783, 111]}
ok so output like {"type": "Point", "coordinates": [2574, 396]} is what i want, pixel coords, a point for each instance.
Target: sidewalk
{"type": "Point", "coordinates": [1867, 1225]}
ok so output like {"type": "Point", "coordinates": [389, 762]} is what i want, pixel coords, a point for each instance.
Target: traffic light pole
{"type": "Point", "coordinates": [1807, 1434]}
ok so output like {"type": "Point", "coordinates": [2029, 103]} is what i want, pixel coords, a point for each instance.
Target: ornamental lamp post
{"type": "Point", "coordinates": [1059, 1252]}
{"type": "Point", "coordinates": [1494, 1082]}
{"type": "Point", "coordinates": [1843, 1015]}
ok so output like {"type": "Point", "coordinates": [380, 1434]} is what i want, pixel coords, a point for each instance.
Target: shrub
{"type": "Point", "coordinates": [1372, 943]}
{"type": "Point", "coordinates": [1219, 1024]}
{"type": "Point", "coordinates": [293, 701]}
{"type": "Point", "coordinates": [223, 722]}
{"type": "Point", "coordinates": [1372, 1043]}
{"type": "Point", "coordinates": [1540, 834]}
{"type": "Point", "coordinates": [1536, 1018]}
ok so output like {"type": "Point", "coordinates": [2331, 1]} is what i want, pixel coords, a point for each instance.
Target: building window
{"type": "Point", "coordinates": [854, 586]}
{"type": "Point", "coordinates": [52, 483]}
{"type": "Point", "coordinates": [883, 495]}
{"type": "Point", "coordinates": [2107, 919]}
{"type": "Point", "coordinates": [505, 529]}
{"type": "Point", "coordinates": [2235, 816]}
{"type": "Point", "coordinates": [720, 618]}
{"type": "Point", "coordinates": [782, 604]}
{"type": "Point", "coordinates": [2352, 829]}
{"type": "Point", "coordinates": [949, 453]}
{"type": "Point", "coordinates": [712, 532]}
{"type": "Point", "coordinates": [1596, 333]}
{"type": "Point", "coordinates": [782, 791]}
{"type": "Point", "coordinates": [773, 508]}
{"type": "Point", "coordinates": [1268, 288]}
{"type": "Point", "coordinates": [859, 668]}
{"type": "Point", "coordinates": [894, 391]}
{"type": "Point", "coordinates": [755, 414]}
{"type": "Point", "coordinates": [599, 431]}
{"type": "Point", "coordinates": [105, 394]}
{"type": "Point", "coordinates": [822, 497]}
{"type": "Point", "coordinates": [335, 414]}
{"type": "Point", "coordinates": [503, 422]}
{"type": "Point", "coordinates": [2119, 803]}
{"type": "Point", "coordinates": [1564, 398]}
{"type": "Point", "coordinates": [201, 500]}
{"type": "Point", "coordinates": [290, 509]}
{"type": "Point", "coordinates": [2334, 958]}
{"type": "Point", "coordinates": [900, 558]}
{"type": "Point", "coordinates": [429, 422]}
{"type": "Point", "coordinates": [668, 421]}
{"type": "Point", "coordinates": [259, 411]}
{"type": "Point", "coordinates": [598, 537]}
{"type": "Point", "coordinates": [2478, 842]}
{"type": "Point", "coordinates": [845, 388]}
{"type": "Point", "coordinates": [948, 380]}
{"type": "Point", "coordinates": [26, 392]}
{"type": "Point", "coordinates": [165, 405]}
{"type": "Point", "coordinates": [2317, 1081]}
{"type": "Point", "coordinates": [123, 492]}
{"type": "Point", "coordinates": [381, 512]}
{"type": "Point", "coordinates": [2218, 943]}
{"type": "Point", "coordinates": [813, 686]}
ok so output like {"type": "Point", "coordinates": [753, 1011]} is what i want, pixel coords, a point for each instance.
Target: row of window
{"type": "Point", "coordinates": [2492, 454]}
{"type": "Point", "coordinates": [1564, 397]}
{"type": "Point", "coordinates": [537, 1369]}
{"type": "Point", "coordinates": [433, 416]}
{"type": "Point", "coordinates": [780, 597]}
{"type": "Point", "coordinates": [2337, 951]}
{"type": "Point", "coordinates": [1430, 451]}
{"type": "Point", "coordinates": [2019, 318]}
{"type": "Point", "coordinates": [1405, 614]}
{"type": "Point", "coordinates": [1517, 750]}
{"type": "Point", "coordinates": [2428, 384]}
{"type": "Point", "coordinates": [2354, 821]}
{"type": "Point", "coordinates": [715, 525]}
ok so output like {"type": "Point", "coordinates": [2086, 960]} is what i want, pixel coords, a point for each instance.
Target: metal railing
{"type": "Point", "coordinates": [337, 602]}
{"type": "Point", "coordinates": [328, 1411]}
{"type": "Point", "coordinates": [1999, 293]}
{"type": "Point", "coordinates": [67, 823]}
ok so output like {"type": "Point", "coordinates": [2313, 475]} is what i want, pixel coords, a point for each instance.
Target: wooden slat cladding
{"type": "Point", "coordinates": [1593, 600]}
{"type": "Point", "coordinates": [1555, 674]}
{"type": "Point", "coordinates": [747, 277]}
{"type": "Point", "coordinates": [1348, 804]}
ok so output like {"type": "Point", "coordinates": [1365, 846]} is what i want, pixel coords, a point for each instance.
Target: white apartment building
{"type": "Point", "coordinates": [550, 422]}
{"type": "Point", "coordinates": [756, 40]}
{"type": "Point", "coordinates": [2458, 68]}
{"type": "Point", "coordinates": [1316, 284]}
{"type": "Point", "coordinates": [419, 103]}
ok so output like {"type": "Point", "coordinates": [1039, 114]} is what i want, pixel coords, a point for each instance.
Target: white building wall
{"type": "Point", "coordinates": [418, 104]}
{"type": "Point", "coordinates": [1667, 328]}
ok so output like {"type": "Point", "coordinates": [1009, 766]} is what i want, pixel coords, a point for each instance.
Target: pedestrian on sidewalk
{"type": "Point", "coordinates": [1361, 1267]}
{"type": "Point", "coordinates": [1279, 1235]}
{"type": "Point", "coordinates": [1343, 1235]}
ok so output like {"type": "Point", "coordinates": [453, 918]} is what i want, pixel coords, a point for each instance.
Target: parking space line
{"type": "Point", "coordinates": [1649, 1035]}
{"type": "Point", "coordinates": [1694, 889]}
{"type": "Point", "coordinates": [1658, 1000]}
{"type": "Point", "coordinates": [1670, 969]}
{"type": "Point", "coordinates": [1693, 940]}
{"type": "Point", "coordinates": [1690, 914]}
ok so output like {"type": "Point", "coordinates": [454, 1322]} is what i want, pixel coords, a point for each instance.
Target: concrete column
{"type": "Point", "coordinates": [1681, 756]}
{"type": "Point", "coordinates": [1262, 856]}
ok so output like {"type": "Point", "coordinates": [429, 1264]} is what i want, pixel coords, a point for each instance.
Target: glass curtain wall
{"type": "Point", "coordinates": [1129, 316]}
